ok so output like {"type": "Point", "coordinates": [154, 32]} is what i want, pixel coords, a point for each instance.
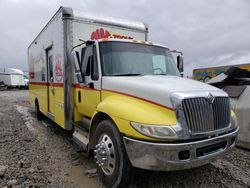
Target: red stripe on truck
{"type": "Point", "coordinates": [40, 83]}
{"type": "Point", "coordinates": [47, 84]}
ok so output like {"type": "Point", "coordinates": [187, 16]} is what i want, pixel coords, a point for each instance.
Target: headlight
{"type": "Point", "coordinates": [234, 122]}
{"type": "Point", "coordinates": [155, 131]}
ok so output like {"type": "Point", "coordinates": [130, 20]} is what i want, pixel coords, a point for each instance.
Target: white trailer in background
{"type": "Point", "coordinates": [14, 78]}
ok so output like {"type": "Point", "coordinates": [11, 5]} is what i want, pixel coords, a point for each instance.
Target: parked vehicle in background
{"type": "Point", "coordinates": [205, 74]}
{"type": "Point", "coordinates": [14, 78]}
{"type": "Point", "coordinates": [124, 97]}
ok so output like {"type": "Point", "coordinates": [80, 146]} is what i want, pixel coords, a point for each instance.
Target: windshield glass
{"type": "Point", "coordinates": [133, 59]}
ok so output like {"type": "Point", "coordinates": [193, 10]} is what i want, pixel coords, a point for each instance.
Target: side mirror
{"type": "Point", "coordinates": [180, 65]}
{"type": "Point", "coordinates": [78, 73]}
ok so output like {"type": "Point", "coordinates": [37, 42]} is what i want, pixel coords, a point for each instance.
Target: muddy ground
{"type": "Point", "coordinates": [37, 154]}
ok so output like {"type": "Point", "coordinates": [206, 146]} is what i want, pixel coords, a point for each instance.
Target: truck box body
{"type": "Point", "coordinates": [124, 97]}
{"type": "Point", "coordinates": [55, 42]}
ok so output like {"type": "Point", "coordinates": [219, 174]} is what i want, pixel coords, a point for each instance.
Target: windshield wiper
{"type": "Point", "coordinates": [127, 74]}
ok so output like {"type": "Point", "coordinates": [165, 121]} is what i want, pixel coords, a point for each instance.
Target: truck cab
{"type": "Point", "coordinates": [143, 114]}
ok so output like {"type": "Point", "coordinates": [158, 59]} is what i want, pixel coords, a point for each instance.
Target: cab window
{"type": "Point", "coordinates": [89, 64]}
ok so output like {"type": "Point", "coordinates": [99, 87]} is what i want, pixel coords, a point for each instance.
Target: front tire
{"type": "Point", "coordinates": [113, 164]}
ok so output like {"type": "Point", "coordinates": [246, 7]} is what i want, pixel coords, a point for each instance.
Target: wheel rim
{"type": "Point", "coordinates": [104, 154]}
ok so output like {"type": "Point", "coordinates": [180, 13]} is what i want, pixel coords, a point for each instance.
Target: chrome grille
{"type": "Point", "coordinates": [202, 116]}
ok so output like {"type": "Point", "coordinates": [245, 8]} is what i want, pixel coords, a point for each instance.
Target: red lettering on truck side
{"type": "Point", "coordinates": [103, 34]}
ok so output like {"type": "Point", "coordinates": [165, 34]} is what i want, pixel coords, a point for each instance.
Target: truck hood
{"type": "Point", "coordinates": [156, 88]}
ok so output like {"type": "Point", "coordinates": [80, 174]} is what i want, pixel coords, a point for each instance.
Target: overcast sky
{"type": "Point", "coordinates": [208, 32]}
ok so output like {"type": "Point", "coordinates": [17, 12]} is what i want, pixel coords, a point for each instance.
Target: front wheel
{"type": "Point", "coordinates": [110, 155]}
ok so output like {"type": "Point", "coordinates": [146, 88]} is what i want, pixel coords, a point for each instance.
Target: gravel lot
{"type": "Point", "coordinates": [37, 154]}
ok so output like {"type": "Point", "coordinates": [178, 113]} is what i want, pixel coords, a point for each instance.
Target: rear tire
{"type": "Point", "coordinates": [38, 113]}
{"type": "Point", "coordinates": [115, 170]}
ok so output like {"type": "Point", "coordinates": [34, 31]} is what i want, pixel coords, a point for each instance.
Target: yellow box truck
{"type": "Point", "coordinates": [124, 98]}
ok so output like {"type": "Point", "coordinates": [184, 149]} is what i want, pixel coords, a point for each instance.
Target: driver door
{"type": "Point", "coordinates": [89, 92]}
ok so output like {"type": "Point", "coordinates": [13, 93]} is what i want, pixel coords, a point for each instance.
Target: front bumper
{"type": "Point", "coordinates": [178, 156]}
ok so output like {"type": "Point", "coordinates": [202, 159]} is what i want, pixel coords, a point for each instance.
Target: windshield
{"type": "Point", "coordinates": [133, 59]}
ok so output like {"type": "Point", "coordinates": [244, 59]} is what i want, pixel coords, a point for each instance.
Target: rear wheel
{"type": "Point", "coordinates": [110, 155]}
{"type": "Point", "coordinates": [38, 113]}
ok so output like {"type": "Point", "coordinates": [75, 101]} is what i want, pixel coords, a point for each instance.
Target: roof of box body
{"type": "Point", "coordinates": [93, 18]}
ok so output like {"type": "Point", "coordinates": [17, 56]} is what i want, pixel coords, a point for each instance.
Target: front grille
{"type": "Point", "coordinates": [202, 116]}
